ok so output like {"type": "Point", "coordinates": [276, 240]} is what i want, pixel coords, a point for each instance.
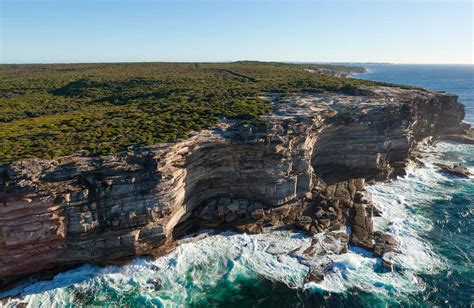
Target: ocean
{"type": "Point", "coordinates": [431, 214]}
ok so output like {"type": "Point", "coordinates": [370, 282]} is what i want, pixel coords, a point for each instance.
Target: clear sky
{"type": "Point", "coordinates": [398, 31]}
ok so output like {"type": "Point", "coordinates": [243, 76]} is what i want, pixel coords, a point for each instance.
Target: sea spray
{"type": "Point", "coordinates": [195, 268]}
{"type": "Point", "coordinates": [212, 267]}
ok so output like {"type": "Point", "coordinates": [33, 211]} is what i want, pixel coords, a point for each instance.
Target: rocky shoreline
{"type": "Point", "coordinates": [303, 166]}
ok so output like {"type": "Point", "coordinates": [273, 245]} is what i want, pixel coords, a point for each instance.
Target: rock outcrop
{"type": "Point", "coordinates": [457, 170]}
{"type": "Point", "coordinates": [302, 166]}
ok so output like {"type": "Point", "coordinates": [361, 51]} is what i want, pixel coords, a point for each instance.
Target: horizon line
{"type": "Point", "coordinates": [233, 61]}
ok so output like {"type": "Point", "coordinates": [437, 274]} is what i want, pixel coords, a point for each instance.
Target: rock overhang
{"type": "Point", "coordinates": [301, 166]}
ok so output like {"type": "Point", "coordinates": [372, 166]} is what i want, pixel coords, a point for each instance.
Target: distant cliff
{"type": "Point", "coordinates": [302, 166]}
{"type": "Point", "coordinates": [336, 71]}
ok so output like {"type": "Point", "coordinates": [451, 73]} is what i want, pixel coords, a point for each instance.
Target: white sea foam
{"type": "Point", "coordinates": [195, 266]}
{"type": "Point", "coordinates": [201, 263]}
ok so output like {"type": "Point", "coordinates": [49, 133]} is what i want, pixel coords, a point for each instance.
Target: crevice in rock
{"type": "Point", "coordinates": [304, 166]}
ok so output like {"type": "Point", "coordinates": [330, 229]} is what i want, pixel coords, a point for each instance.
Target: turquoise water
{"type": "Point", "coordinates": [430, 214]}
{"type": "Point", "coordinates": [449, 204]}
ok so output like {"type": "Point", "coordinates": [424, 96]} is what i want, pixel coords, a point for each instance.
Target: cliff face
{"type": "Point", "coordinates": [303, 166]}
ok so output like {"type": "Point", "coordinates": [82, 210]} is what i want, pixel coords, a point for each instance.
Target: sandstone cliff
{"type": "Point", "coordinates": [303, 166]}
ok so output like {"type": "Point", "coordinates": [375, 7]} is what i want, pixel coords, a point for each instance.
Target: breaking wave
{"type": "Point", "coordinates": [264, 268]}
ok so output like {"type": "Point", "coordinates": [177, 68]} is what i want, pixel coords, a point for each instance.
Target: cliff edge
{"type": "Point", "coordinates": [302, 166]}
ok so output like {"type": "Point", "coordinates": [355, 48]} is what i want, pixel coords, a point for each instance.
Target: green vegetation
{"type": "Point", "coordinates": [51, 110]}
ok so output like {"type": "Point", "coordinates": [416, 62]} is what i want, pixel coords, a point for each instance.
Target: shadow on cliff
{"type": "Point", "coordinates": [226, 181]}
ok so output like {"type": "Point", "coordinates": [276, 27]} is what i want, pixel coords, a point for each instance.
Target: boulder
{"type": "Point", "coordinates": [457, 170]}
{"type": "Point", "coordinates": [384, 243]}
{"type": "Point", "coordinates": [362, 226]}
{"type": "Point", "coordinates": [304, 222]}
{"type": "Point", "coordinates": [315, 274]}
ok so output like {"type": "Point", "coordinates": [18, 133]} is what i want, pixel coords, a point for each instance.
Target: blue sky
{"type": "Point", "coordinates": [398, 31]}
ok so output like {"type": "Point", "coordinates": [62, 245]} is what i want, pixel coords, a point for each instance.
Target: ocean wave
{"type": "Point", "coordinates": [184, 275]}
{"type": "Point", "coordinates": [199, 265]}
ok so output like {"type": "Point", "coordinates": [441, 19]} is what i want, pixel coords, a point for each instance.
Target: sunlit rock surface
{"type": "Point", "coordinates": [302, 166]}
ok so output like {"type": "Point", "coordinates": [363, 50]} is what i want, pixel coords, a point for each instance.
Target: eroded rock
{"type": "Point", "coordinates": [457, 170]}
{"type": "Point", "coordinates": [384, 243]}
{"type": "Point", "coordinates": [305, 166]}
{"type": "Point", "coordinates": [362, 226]}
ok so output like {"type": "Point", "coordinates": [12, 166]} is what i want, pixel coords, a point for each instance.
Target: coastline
{"type": "Point", "coordinates": [353, 269]}
{"type": "Point", "coordinates": [361, 235]}
{"type": "Point", "coordinates": [352, 273]}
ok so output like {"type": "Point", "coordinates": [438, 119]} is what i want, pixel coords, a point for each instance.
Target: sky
{"type": "Point", "coordinates": [395, 31]}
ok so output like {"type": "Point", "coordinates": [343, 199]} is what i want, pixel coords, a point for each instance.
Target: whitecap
{"type": "Point", "coordinates": [202, 262]}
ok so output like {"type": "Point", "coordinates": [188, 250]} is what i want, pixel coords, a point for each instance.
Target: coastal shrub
{"type": "Point", "coordinates": [48, 111]}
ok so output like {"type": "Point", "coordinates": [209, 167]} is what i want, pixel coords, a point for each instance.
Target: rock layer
{"type": "Point", "coordinates": [302, 166]}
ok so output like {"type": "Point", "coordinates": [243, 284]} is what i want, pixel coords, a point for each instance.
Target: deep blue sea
{"type": "Point", "coordinates": [431, 215]}
{"type": "Point", "coordinates": [457, 79]}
